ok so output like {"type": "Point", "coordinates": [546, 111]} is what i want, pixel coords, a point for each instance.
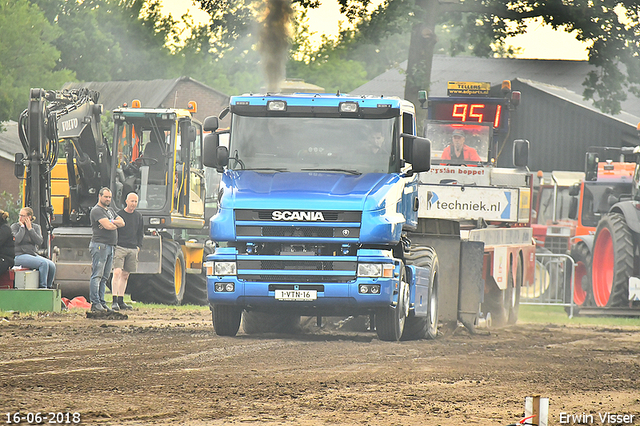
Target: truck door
{"type": "Point", "coordinates": [190, 171]}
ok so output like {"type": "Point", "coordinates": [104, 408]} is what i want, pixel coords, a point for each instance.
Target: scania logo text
{"type": "Point", "coordinates": [289, 215]}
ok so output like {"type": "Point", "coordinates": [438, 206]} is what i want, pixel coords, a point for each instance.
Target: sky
{"type": "Point", "coordinates": [540, 41]}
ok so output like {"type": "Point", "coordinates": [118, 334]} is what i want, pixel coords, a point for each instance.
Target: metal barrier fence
{"type": "Point", "coordinates": [553, 284]}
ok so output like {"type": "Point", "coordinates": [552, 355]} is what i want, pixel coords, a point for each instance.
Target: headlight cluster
{"type": "Point", "coordinates": [220, 268]}
{"type": "Point", "coordinates": [375, 270]}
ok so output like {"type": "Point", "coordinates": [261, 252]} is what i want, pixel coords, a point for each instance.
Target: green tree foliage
{"type": "Point", "coordinates": [27, 56]}
{"type": "Point", "coordinates": [222, 54]}
{"type": "Point", "coordinates": [481, 27]}
{"type": "Point", "coordinates": [103, 40]}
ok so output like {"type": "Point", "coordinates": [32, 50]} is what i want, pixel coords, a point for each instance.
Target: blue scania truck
{"type": "Point", "coordinates": [318, 216]}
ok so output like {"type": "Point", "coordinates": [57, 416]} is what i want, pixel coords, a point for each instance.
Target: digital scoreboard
{"type": "Point", "coordinates": [468, 110]}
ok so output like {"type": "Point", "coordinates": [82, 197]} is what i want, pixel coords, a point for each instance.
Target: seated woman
{"type": "Point", "coordinates": [28, 238]}
{"type": "Point", "coordinates": [6, 244]}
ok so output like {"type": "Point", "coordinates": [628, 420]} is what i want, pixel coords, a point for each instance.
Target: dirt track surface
{"type": "Point", "coordinates": [168, 367]}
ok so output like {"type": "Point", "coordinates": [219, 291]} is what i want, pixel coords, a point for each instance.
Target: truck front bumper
{"type": "Point", "coordinates": [354, 296]}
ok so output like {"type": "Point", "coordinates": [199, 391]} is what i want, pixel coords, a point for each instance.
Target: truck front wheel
{"type": "Point", "coordinates": [390, 320]}
{"type": "Point", "coordinates": [427, 326]}
{"type": "Point", "coordinates": [226, 319]}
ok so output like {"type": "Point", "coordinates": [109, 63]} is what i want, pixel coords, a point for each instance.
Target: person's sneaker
{"type": "Point", "coordinates": [124, 306]}
{"type": "Point", "coordinates": [97, 307]}
{"type": "Point", "coordinates": [115, 306]}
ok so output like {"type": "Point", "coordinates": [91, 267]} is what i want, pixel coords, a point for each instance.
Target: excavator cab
{"type": "Point", "coordinates": [157, 154]}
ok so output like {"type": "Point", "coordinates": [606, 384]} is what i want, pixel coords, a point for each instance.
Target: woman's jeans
{"type": "Point", "coordinates": [46, 268]}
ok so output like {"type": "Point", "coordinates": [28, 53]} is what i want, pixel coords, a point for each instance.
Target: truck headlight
{"type": "Point", "coordinates": [374, 270]}
{"type": "Point", "coordinates": [224, 268]}
{"type": "Point", "coordinates": [369, 269]}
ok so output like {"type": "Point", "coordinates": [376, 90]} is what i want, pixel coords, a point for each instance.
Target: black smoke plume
{"type": "Point", "coordinates": [275, 35]}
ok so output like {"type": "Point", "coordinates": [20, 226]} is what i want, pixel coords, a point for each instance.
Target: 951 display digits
{"type": "Point", "coordinates": [43, 418]}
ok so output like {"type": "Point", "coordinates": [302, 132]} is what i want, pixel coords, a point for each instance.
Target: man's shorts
{"type": "Point", "coordinates": [125, 258]}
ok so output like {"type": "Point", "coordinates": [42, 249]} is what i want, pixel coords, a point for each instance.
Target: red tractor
{"type": "Point", "coordinates": [597, 207]}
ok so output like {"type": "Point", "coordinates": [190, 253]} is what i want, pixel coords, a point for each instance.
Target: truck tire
{"type": "Point", "coordinates": [424, 327]}
{"type": "Point", "coordinates": [583, 290]}
{"type": "Point", "coordinates": [514, 307]}
{"type": "Point", "coordinates": [226, 319]}
{"type": "Point", "coordinates": [167, 287]}
{"type": "Point", "coordinates": [390, 321]}
{"type": "Point", "coordinates": [498, 302]}
{"type": "Point", "coordinates": [195, 292]}
{"type": "Point", "coordinates": [261, 322]}
{"type": "Point", "coordinates": [613, 247]}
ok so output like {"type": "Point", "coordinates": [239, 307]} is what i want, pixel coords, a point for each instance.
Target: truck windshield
{"type": "Point", "coordinates": [545, 213]}
{"type": "Point", "coordinates": [457, 143]}
{"type": "Point", "coordinates": [294, 144]}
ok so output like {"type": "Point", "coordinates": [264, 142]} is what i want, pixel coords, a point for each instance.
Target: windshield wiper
{"type": "Point", "coordinates": [353, 172]}
{"type": "Point", "coordinates": [275, 169]}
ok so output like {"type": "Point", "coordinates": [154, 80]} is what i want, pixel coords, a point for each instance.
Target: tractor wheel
{"type": "Point", "coordinates": [390, 320]}
{"type": "Point", "coordinates": [167, 287]}
{"type": "Point", "coordinates": [195, 292]}
{"type": "Point", "coordinates": [613, 247]}
{"type": "Point", "coordinates": [582, 291]}
{"type": "Point", "coordinates": [424, 327]}
{"type": "Point", "coordinates": [261, 322]}
{"type": "Point", "coordinates": [514, 305]}
{"type": "Point", "coordinates": [226, 319]}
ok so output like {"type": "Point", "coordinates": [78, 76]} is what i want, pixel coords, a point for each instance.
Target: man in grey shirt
{"type": "Point", "coordinates": [104, 225]}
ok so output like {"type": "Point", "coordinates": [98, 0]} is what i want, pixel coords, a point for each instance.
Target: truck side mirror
{"type": "Point", "coordinates": [18, 170]}
{"type": "Point", "coordinates": [210, 124]}
{"type": "Point", "coordinates": [209, 150]}
{"type": "Point", "coordinates": [222, 158]}
{"type": "Point", "coordinates": [421, 155]}
{"type": "Point", "coordinates": [591, 166]}
{"type": "Point", "coordinates": [573, 208]}
{"type": "Point", "coordinates": [520, 153]}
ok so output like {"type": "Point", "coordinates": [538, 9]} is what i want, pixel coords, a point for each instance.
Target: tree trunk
{"type": "Point", "coordinates": [423, 41]}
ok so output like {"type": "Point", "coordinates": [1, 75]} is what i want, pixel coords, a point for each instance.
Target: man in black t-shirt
{"type": "Point", "coordinates": [125, 259]}
{"type": "Point", "coordinates": [104, 225]}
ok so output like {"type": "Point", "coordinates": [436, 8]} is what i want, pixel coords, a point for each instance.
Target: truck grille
{"type": "Point", "coordinates": [296, 270]}
{"type": "Point", "coordinates": [298, 225]}
{"type": "Point", "coordinates": [557, 245]}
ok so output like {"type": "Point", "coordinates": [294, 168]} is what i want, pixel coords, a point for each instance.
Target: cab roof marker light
{"type": "Point", "coordinates": [515, 98]}
{"type": "Point", "coordinates": [276, 105]}
{"type": "Point", "coordinates": [348, 107]}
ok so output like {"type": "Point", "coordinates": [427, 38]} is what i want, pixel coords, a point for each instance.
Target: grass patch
{"type": "Point", "coordinates": [557, 315]}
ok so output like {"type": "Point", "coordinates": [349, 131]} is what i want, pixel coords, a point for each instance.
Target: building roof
{"type": "Point", "coordinates": [151, 93]}
{"type": "Point", "coordinates": [559, 73]}
{"type": "Point", "coordinates": [574, 98]}
{"type": "Point", "coordinates": [10, 141]}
